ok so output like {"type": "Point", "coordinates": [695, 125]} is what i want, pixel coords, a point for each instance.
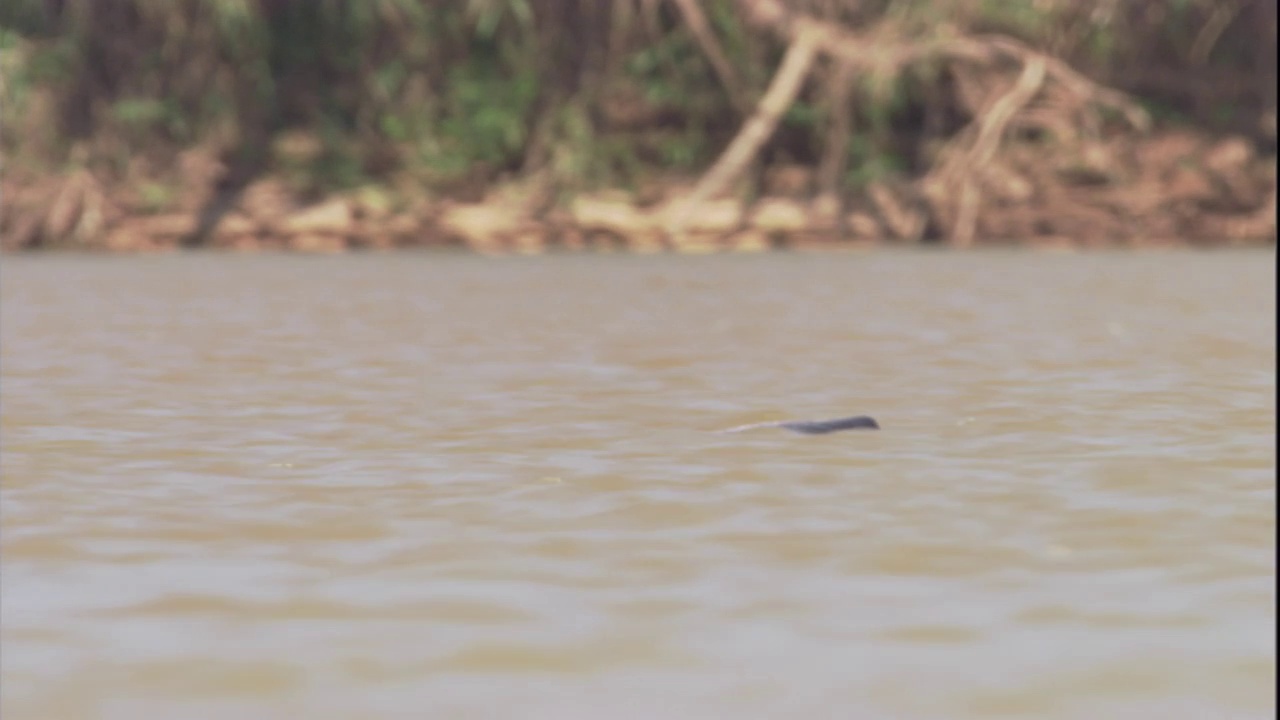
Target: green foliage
{"type": "Point", "coordinates": [870, 163]}
{"type": "Point", "coordinates": [674, 74]}
{"type": "Point", "coordinates": [141, 116]}
{"type": "Point", "coordinates": [489, 15]}
{"type": "Point", "coordinates": [1022, 18]}
{"type": "Point", "coordinates": [484, 114]}
{"type": "Point", "coordinates": [467, 90]}
{"type": "Point", "coordinates": [802, 115]}
{"type": "Point", "coordinates": [155, 196]}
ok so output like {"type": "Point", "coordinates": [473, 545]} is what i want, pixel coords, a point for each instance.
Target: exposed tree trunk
{"type": "Point", "coordinates": [759, 127]}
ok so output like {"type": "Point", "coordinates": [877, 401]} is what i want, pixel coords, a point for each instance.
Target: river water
{"type": "Point", "coordinates": [437, 486]}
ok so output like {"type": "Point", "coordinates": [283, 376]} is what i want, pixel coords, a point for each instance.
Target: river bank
{"type": "Point", "coordinates": [685, 126]}
{"type": "Point", "coordinates": [1172, 187]}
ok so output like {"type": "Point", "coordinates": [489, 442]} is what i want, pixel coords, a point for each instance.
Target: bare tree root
{"type": "Point", "coordinates": [59, 211]}
{"type": "Point", "coordinates": [955, 180]}
{"type": "Point", "coordinates": [782, 92]}
{"type": "Point", "coordinates": [953, 186]}
{"type": "Point", "coordinates": [1219, 19]}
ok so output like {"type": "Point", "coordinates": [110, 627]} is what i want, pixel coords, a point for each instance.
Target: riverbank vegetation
{"type": "Point", "coordinates": [522, 125]}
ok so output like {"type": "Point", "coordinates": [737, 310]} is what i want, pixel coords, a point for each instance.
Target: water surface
{"type": "Point", "coordinates": [434, 486]}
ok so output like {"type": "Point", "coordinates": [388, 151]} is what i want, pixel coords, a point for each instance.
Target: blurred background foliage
{"type": "Point", "coordinates": [453, 96]}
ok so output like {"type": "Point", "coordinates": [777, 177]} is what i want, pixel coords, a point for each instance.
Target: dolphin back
{"type": "Point", "coordinates": [815, 427]}
{"type": "Point", "coordinates": [822, 427]}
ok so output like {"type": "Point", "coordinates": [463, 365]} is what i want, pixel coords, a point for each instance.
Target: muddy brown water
{"type": "Point", "coordinates": [409, 486]}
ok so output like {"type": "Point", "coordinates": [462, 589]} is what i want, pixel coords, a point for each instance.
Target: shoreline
{"type": "Point", "coordinates": [814, 246]}
{"type": "Point", "coordinates": [1169, 189]}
